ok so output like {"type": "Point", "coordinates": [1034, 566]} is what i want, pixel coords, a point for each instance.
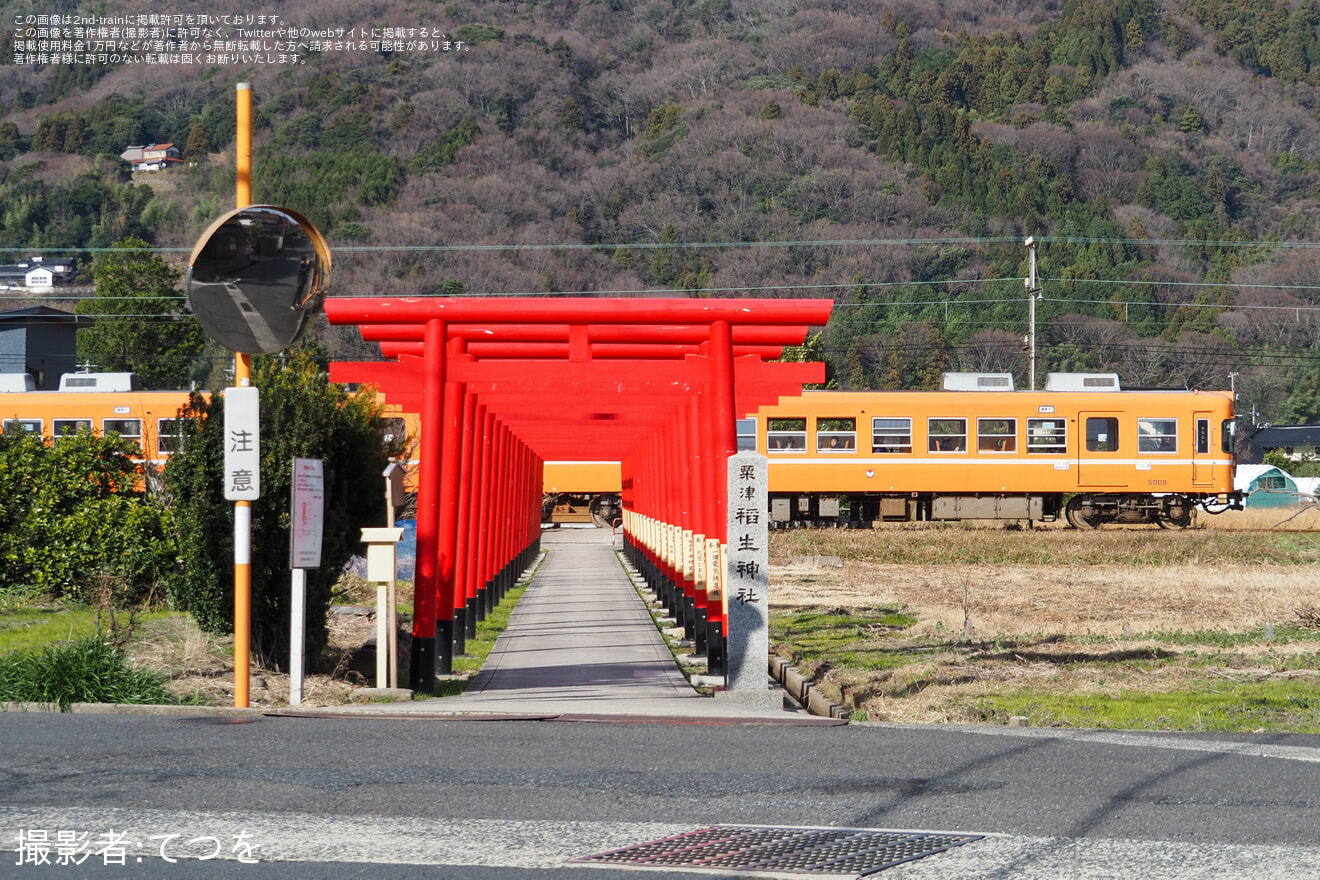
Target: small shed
{"type": "Point", "coordinates": [1266, 486]}
{"type": "Point", "coordinates": [40, 341]}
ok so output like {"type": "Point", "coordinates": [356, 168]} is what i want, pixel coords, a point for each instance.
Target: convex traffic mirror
{"type": "Point", "coordinates": [256, 277]}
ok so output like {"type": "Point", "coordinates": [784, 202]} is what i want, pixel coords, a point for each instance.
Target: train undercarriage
{"type": "Point", "coordinates": [563, 508]}
{"type": "Point", "coordinates": [1083, 511]}
{"type": "Point", "coordinates": [861, 511]}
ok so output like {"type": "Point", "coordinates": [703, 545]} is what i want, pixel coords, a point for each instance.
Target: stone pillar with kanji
{"type": "Point", "coordinates": [747, 577]}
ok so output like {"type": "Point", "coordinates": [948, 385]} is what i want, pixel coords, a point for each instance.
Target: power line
{"type": "Point", "coordinates": [723, 245]}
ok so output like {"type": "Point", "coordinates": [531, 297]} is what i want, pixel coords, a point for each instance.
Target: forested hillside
{"type": "Point", "coordinates": [891, 155]}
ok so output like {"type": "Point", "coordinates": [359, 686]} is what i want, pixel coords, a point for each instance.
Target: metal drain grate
{"type": "Point", "coordinates": [855, 851]}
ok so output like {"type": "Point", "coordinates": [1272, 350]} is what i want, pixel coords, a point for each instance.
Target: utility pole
{"type": "Point", "coordinates": [243, 380]}
{"type": "Point", "coordinates": [1031, 309]}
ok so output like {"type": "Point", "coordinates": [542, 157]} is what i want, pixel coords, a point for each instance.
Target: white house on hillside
{"type": "Point", "coordinates": [152, 157]}
{"type": "Point", "coordinates": [36, 274]}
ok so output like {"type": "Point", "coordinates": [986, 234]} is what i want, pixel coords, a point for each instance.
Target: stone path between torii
{"type": "Point", "coordinates": [581, 644]}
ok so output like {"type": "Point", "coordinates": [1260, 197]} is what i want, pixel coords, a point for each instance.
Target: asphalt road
{"type": "Point", "coordinates": [316, 797]}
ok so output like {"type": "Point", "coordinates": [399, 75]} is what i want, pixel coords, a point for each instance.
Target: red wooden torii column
{"type": "Point", "coordinates": [503, 384]}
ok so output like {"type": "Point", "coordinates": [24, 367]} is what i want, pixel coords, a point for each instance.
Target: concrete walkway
{"type": "Point", "coordinates": [581, 644]}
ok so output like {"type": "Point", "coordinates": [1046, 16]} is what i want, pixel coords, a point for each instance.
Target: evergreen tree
{"type": "Point", "coordinates": [11, 142]}
{"type": "Point", "coordinates": [198, 145]}
{"type": "Point", "coordinates": [141, 324]}
{"type": "Point", "coordinates": [75, 136]}
{"type": "Point", "coordinates": [1191, 119]}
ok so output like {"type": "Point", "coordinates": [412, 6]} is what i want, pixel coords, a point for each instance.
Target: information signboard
{"type": "Point", "coordinates": [242, 444]}
{"type": "Point", "coordinates": [307, 513]}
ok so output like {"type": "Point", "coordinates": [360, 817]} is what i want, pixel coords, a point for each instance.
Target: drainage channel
{"type": "Point", "coordinates": [833, 851]}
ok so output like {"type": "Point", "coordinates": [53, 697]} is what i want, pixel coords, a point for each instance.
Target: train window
{"type": "Point", "coordinates": [1048, 436]}
{"type": "Point", "coordinates": [1101, 434]}
{"type": "Point", "coordinates": [996, 435]}
{"type": "Point", "coordinates": [1157, 435]}
{"type": "Point", "coordinates": [129, 429]}
{"type": "Point", "coordinates": [1227, 436]}
{"type": "Point", "coordinates": [891, 435]}
{"type": "Point", "coordinates": [747, 435]}
{"type": "Point", "coordinates": [171, 434]}
{"type": "Point", "coordinates": [393, 431]}
{"type": "Point", "coordinates": [836, 435]}
{"type": "Point", "coordinates": [947, 435]}
{"type": "Point", "coordinates": [69, 427]}
{"type": "Point", "coordinates": [786, 435]}
{"type": "Point", "coordinates": [23, 426]}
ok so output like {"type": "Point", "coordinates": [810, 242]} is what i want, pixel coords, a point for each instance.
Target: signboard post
{"type": "Point", "coordinates": [394, 497]}
{"type": "Point", "coordinates": [748, 574]}
{"type": "Point", "coordinates": [242, 486]}
{"type": "Point", "coordinates": [380, 569]}
{"type": "Point", "coordinates": [306, 526]}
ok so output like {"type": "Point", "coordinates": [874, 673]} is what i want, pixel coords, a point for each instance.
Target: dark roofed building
{"type": "Point", "coordinates": [1294, 441]}
{"type": "Point", "coordinates": [42, 342]}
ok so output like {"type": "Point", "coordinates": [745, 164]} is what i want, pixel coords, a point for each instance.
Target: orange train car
{"type": "Point", "coordinates": [1082, 449]}
{"type": "Point", "coordinates": [105, 402]}
{"type": "Point", "coordinates": [98, 402]}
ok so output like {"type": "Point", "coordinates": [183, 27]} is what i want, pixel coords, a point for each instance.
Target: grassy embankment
{"type": "Point", "coordinates": [1209, 629]}
{"type": "Point", "coordinates": [62, 655]}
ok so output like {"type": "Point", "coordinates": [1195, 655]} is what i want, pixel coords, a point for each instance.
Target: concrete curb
{"type": "Point", "coordinates": [133, 709]}
{"type": "Point", "coordinates": [803, 691]}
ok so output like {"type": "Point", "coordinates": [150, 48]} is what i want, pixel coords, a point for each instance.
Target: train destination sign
{"type": "Point", "coordinates": [256, 277]}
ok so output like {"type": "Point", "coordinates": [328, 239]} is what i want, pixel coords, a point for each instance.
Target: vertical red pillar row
{"type": "Point", "coordinates": [516, 517]}
{"type": "Point", "coordinates": [724, 443]}
{"type": "Point", "coordinates": [487, 505]}
{"type": "Point", "coordinates": [476, 520]}
{"type": "Point", "coordinates": [450, 473]}
{"type": "Point", "coordinates": [697, 515]}
{"type": "Point", "coordinates": [504, 443]}
{"type": "Point", "coordinates": [676, 481]}
{"type": "Point", "coordinates": [645, 486]}
{"type": "Point", "coordinates": [464, 624]}
{"type": "Point", "coordinates": [675, 469]}
{"type": "Point", "coordinates": [538, 483]}
{"type": "Point", "coordinates": [710, 487]}
{"type": "Point", "coordinates": [426, 586]}
{"type": "Point", "coordinates": [528, 501]}
{"type": "Point", "coordinates": [664, 515]}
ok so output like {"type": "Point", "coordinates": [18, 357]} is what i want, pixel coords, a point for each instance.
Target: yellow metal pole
{"type": "Point", "coordinates": [243, 147]}
{"type": "Point", "coordinates": [242, 379]}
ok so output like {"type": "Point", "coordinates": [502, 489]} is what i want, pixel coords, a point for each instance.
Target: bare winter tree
{"type": "Point", "coordinates": [1200, 360]}
{"type": "Point", "coordinates": [1104, 341]}
{"type": "Point", "coordinates": [991, 351]}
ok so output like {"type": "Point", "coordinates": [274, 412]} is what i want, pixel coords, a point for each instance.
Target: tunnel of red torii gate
{"type": "Point", "coordinates": [504, 384]}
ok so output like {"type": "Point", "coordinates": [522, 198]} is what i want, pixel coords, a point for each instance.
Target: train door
{"type": "Point", "coordinates": [1203, 464]}
{"type": "Point", "coordinates": [1100, 452]}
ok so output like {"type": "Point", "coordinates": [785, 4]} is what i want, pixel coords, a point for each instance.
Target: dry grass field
{"type": "Point", "coordinates": [991, 616]}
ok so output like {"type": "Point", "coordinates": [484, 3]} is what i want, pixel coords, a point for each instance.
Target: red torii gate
{"type": "Point", "coordinates": [504, 384]}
